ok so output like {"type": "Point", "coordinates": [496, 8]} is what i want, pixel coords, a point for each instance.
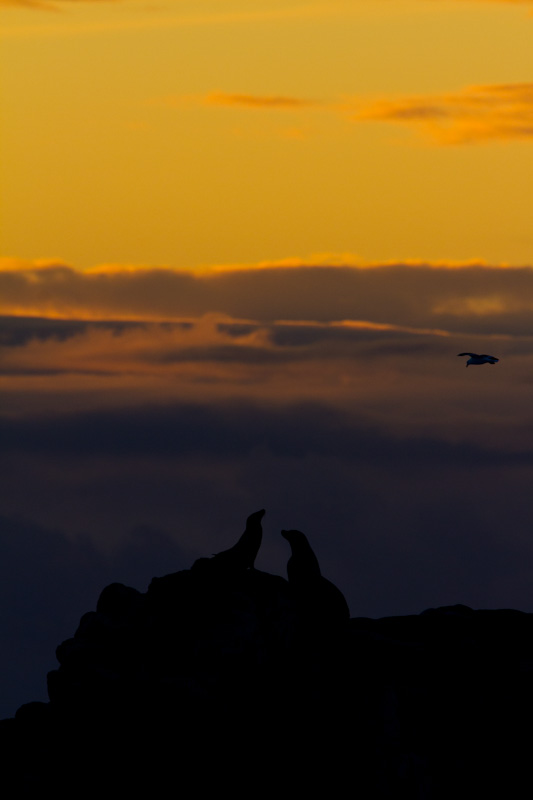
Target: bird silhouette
{"type": "Point", "coordinates": [479, 359]}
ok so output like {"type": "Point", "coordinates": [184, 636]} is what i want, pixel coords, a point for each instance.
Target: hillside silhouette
{"type": "Point", "coordinates": [226, 678]}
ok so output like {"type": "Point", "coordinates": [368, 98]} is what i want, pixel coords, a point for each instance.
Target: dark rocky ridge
{"type": "Point", "coordinates": [225, 680]}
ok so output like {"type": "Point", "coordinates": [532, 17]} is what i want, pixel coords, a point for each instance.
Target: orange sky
{"type": "Point", "coordinates": [322, 198]}
{"type": "Point", "coordinates": [243, 243]}
{"type": "Point", "coordinates": [188, 134]}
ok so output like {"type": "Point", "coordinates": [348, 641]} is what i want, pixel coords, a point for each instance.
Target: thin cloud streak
{"type": "Point", "coordinates": [475, 114]}
{"type": "Point", "coordinates": [264, 102]}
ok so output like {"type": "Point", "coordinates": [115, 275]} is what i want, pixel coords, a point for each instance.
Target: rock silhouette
{"type": "Point", "coordinates": [202, 684]}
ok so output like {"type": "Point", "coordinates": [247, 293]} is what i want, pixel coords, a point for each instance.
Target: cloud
{"type": "Point", "coordinates": [396, 524]}
{"type": "Point", "coordinates": [275, 102]}
{"type": "Point", "coordinates": [217, 358]}
{"type": "Point", "coordinates": [133, 445]}
{"type": "Point", "coordinates": [392, 517]}
{"type": "Point", "coordinates": [180, 358]}
{"type": "Point", "coordinates": [234, 429]}
{"type": "Point", "coordinates": [266, 102]}
{"type": "Point", "coordinates": [475, 114]}
{"type": "Point", "coordinates": [146, 412]}
{"type": "Point", "coordinates": [496, 112]}
{"type": "Point", "coordinates": [18, 331]}
{"type": "Point", "coordinates": [341, 364]}
{"type": "Point", "coordinates": [433, 298]}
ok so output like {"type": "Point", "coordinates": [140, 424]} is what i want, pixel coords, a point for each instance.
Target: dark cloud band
{"type": "Point", "coordinates": [476, 299]}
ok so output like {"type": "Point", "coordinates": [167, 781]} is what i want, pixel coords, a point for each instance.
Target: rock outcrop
{"type": "Point", "coordinates": [218, 680]}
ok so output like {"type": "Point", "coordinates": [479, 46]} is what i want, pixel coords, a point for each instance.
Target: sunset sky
{"type": "Point", "coordinates": [242, 245]}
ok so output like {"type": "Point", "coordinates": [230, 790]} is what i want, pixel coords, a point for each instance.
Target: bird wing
{"type": "Point", "coordinates": [489, 358]}
{"type": "Point", "coordinates": [474, 355]}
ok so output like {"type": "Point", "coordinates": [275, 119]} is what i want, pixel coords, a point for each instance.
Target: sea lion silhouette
{"type": "Point", "coordinates": [314, 593]}
{"type": "Point", "coordinates": [244, 552]}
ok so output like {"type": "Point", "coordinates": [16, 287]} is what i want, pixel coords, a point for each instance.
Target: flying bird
{"type": "Point", "coordinates": [479, 359]}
